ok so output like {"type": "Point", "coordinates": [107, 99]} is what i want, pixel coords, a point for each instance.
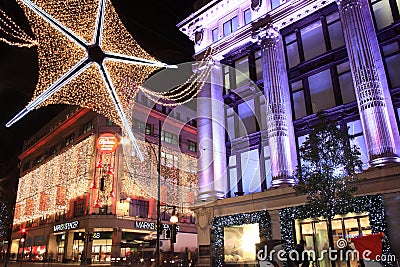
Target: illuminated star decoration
{"type": "Point", "coordinates": [97, 65]}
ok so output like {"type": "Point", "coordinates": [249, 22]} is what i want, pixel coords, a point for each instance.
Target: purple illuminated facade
{"type": "Point", "coordinates": [277, 64]}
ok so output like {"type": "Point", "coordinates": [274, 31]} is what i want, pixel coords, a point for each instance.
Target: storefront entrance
{"type": "Point", "coordinates": [315, 233]}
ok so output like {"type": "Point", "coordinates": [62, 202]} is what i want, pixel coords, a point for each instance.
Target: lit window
{"type": "Point", "coordinates": [230, 26]}
{"type": "Point", "coordinates": [242, 71]}
{"type": "Point", "coordinates": [192, 146]}
{"type": "Point", "coordinates": [382, 13]}
{"type": "Point", "coordinates": [240, 243]}
{"type": "Point", "coordinates": [250, 165]}
{"type": "Point", "coordinates": [70, 139]}
{"type": "Point", "coordinates": [169, 137]}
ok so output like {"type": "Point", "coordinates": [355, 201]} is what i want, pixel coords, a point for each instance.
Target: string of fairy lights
{"type": "Point", "coordinates": [13, 34]}
{"type": "Point", "coordinates": [47, 189]}
{"type": "Point", "coordinates": [178, 175]}
{"type": "Point", "coordinates": [187, 90]}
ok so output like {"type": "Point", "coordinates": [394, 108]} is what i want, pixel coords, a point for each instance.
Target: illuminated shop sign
{"type": "Point", "coordinates": [66, 226]}
{"type": "Point", "coordinates": [151, 225]}
{"type": "Point", "coordinates": [107, 143]}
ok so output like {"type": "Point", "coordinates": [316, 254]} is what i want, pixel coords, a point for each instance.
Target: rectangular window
{"type": "Point", "coordinates": [139, 208]}
{"type": "Point", "coordinates": [275, 3]}
{"type": "Point", "coordinates": [355, 132]}
{"type": "Point", "coordinates": [267, 165]}
{"type": "Point", "coordinates": [227, 81]}
{"type": "Point", "coordinates": [247, 16]}
{"type": "Point", "coordinates": [313, 40]}
{"type": "Point", "coordinates": [292, 51]}
{"type": "Point", "coordinates": [299, 104]}
{"type": "Point", "coordinates": [214, 34]}
{"type": "Point", "coordinates": [87, 127]}
{"type": "Point", "coordinates": [230, 123]}
{"type": "Point", "coordinates": [346, 82]}
{"type": "Point", "coordinates": [233, 187]}
{"type": "Point", "coordinates": [70, 139]}
{"type": "Point", "coordinates": [148, 129]}
{"type": "Point", "coordinates": [335, 30]}
{"type": "Point", "coordinates": [250, 165]}
{"type": "Point", "coordinates": [247, 117]}
{"type": "Point", "coordinates": [169, 137]}
{"type": "Point", "coordinates": [192, 146]}
{"type": "Point", "coordinates": [242, 71]}
{"type": "Point", "coordinates": [382, 13]}
{"type": "Point", "coordinates": [258, 60]}
{"type": "Point", "coordinates": [230, 26]}
{"type": "Point", "coordinates": [138, 126]}
{"type": "Point", "coordinates": [321, 91]}
{"type": "Point", "coordinates": [392, 59]}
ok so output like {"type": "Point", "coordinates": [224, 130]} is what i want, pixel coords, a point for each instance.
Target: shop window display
{"type": "Point", "coordinates": [315, 233]}
{"type": "Point", "coordinates": [239, 243]}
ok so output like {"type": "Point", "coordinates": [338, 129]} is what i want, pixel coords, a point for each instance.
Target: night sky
{"type": "Point", "coordinates": [152, 24]}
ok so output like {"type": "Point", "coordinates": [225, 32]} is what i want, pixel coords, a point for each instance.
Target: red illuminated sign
{"type": "Point", "coordinates": [107, 143]}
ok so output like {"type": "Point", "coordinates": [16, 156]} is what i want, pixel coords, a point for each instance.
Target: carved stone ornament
{"type": "Point", "coordinates": [203, 218]}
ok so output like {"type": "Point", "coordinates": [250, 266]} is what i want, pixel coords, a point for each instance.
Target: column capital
{"type": "Point", "coordinates": [344, 4]}
{"type": "Point", "coordinates": [268, 35]}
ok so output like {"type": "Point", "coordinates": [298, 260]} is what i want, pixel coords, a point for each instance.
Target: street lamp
{"type": "Point", "coordinates": [174, 218]}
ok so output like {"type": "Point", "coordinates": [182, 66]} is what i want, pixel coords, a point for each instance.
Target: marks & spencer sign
{"type": "Point", "coordinates": [66, 226]}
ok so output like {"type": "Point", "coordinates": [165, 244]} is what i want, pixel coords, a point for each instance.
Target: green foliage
{"type": "Point", "coordinates": [328, 169]}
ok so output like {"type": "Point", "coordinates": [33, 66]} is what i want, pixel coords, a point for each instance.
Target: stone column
{"type": "Point", "coordinates": [211, 137]}
{"type": "Point", "coordinates": [373, 98]}
{"type": "Point", "coordinates": [279, 112]}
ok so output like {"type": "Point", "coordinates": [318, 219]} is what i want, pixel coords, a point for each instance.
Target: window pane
{"type": "Point", "coordinates": [299, 105]}
{"type": "Point", "coordinates": [247, 118]}
{"type": "Point", "coordinates": [290, 38]}
{"type": "Point", "coordinates": [393, 68]}
{"type": "Point", "coordinates": [233, 181]}
{"type": "Point", "coordinates": [292, 53]}
{"type": "Point", "coordinates": [235, 23]}
{"type": "Point", "coordinates": [336, 35]}
{"type": "Point", "coordinates": [215, 35]}
{"type": "Point", "coordinates": [231, 127]}
{"type": "Point", "coordinates": [275, 3]}
{"type": "Point", "coordinates": [250, 164]}
{"type": "Point", "coordinates": [227, 28]}
{"type": "Point", "coordinates": [297, 86]}
{"type": "Point", "coordinates": [268, 172]}
{"type": "Point", "coordinates": [390, 48]}
{"type": "Point", "coordinates": [382, 14]}
{"type": "Point", "coordinates": [321, 91]}
{"type": "Point", "coordinates": [346, 83]}
{"type": "Point", "coordinates": [242, 71]}
{"type": "Point", "coordinates": [247, 16]}
{"type": "Point", "coordinates": [313, 40]}
{"type": "Point", "coordinates": [258, 65]}
{"type": "Point", "coordinates": [355, 128]}
{"type": "Point", "coordinates": [263, 113]}
{"type": "Point", "coordinates": [226, 78]}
